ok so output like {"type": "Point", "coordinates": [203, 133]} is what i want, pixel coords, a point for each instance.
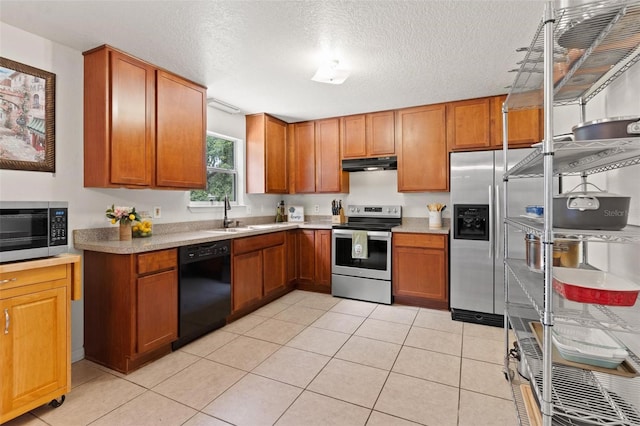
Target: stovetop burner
{"type": "Point", "coordinates": [372, 218]}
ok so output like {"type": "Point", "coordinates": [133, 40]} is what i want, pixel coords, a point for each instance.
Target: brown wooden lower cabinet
{"type": "Point", "coordinates": [35, 343]}
{"type": "Point", "coordinates": [131, 307]}
{"type": "Point", "coordinates": [420, 270]}
{"type": "Point", "coordinates": [314, 260]}
{"type": "Point", "coordinates": [259, 270]}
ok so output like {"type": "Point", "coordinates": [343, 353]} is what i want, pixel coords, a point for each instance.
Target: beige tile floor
{"type": "Point", "coordinates": [306, 359]}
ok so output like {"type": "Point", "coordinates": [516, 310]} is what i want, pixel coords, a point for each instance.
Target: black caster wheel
{"type": "Point", "coordinates": [508, 375]}
{"type": "Point", "coordinates": [55, 403]}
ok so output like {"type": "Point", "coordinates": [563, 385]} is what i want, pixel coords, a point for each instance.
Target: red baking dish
{"type": "Point", "coordinates": [588, 286]}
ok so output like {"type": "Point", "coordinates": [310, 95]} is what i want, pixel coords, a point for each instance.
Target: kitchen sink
{"type": "Point", "coordinates": [228, 230]}
{"type": "Point", "coordinates": [268, 225]}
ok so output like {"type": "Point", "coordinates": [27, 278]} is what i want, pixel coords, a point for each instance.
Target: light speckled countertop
{"type": "Point", "coordinates": [173, 235]}
{"type": "Point", "coordinates": [420, 225]}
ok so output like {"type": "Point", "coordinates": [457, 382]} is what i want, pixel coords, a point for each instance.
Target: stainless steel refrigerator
{"type": "Point", "coordinates": [476, 249]}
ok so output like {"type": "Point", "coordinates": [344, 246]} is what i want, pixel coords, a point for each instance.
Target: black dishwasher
{"type": "Point", "coordinates": [204, 290]}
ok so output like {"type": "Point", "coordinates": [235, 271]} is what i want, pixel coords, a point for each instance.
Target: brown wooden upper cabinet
{"type": "Point", "coordinates": [304, 158]}
{"type": "Point", "coordinates": [143, 127]}
{"type": "Point", "coordinates": [476, 124]}
{"type": "Point", "coordinates": [526, 127]}
{"type": "Point", "coordinates": [329, 174]}
{"type": "Point", "coordinates": [368, 135]}
{"type": "Point", "coordinates": [316, 157]}
{"type": "Point", "coordinates": [468, 124]}
{"type": "Point", "coordinates": [266, 155]}
{"type": "Point", "coordinates": [423, 162]}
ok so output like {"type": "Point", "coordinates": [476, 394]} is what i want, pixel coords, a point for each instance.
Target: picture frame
{"type": "Point", "coordinates": [27, 117]}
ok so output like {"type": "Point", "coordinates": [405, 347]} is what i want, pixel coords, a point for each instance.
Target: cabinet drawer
{"type": "Point", "coordinates": [246, 245]}
{"type": "Point", "coordinates": [419, 240]}
{"type": "Point", "coordinates": [157, 260]}
{"type": "Point", "coordinates": [32, 276]}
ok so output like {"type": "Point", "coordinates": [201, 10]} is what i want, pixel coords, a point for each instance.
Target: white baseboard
{"type": "Point", "coordinates": [77, 354]}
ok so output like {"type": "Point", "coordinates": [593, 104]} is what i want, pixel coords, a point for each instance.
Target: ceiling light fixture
{"type": "Point", "coordinates": [223, 106]}
{"type": "Point", "coordinates": [331, 73]}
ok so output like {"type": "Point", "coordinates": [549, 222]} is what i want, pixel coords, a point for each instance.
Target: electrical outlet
{"type": "Point", "coordinates": [248, 210]}
{"type": "Point", "coordinates": [316, 208]}
{"type": "Point", "coordinates": [157, 212]}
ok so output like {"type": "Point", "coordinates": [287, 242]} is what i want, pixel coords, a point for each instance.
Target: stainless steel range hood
{"type": "Point", "coordinates": [370, 164]}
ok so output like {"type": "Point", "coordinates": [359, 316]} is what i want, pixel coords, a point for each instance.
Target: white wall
{"type": "Point", "coordinates": [379, 187]}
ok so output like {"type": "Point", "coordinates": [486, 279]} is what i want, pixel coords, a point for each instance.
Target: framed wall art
{"type": "Point", "coordinates": [27, 117]}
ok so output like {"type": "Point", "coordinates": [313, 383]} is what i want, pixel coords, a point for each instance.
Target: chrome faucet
{"type": "Point", "coordinates": [227, 206]}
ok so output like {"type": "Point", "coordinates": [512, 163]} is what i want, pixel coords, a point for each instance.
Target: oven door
{"type": "Point", "coordinates": [378, 263]}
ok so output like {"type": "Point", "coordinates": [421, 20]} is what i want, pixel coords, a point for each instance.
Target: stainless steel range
{"type": "Point", "coordinates": [361, 253]}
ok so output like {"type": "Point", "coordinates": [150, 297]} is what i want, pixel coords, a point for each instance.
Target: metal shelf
{"type": "Point", "coordinates": [579, 396]}
{"type": "Point", "coordinates": [629, 234]}
{"type": "Point", "coordinates": [593, 45]}
{"type": "Point", "coordinates": [577, 157]}
{"type": "Point", "coordinates": [612, 318]}
{"type": "Point", "coordinates": [517, 395]}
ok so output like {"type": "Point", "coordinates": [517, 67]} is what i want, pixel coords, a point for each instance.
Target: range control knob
{"type": "Point", "coordinates": [388, 210]}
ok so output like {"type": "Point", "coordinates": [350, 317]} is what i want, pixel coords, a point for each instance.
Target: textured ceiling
{"type": "Point", "coordinates": [261, 55]}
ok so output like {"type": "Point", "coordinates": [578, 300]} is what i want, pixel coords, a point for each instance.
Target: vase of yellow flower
{"type": "Point", "coordinates": [125, 216]}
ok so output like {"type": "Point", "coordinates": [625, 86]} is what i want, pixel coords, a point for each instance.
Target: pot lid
{"type": "Point", "coordinates": [605, 120]}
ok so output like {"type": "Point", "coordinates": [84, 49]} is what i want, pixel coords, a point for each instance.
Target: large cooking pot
{"type": "Point", "coordinates": [566, 253]}
{"type": "Point", "coordinates": [590, 210]}
{"type": "Point", "coordinates": [607, 128]}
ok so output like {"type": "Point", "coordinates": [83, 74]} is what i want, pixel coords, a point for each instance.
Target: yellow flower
{"type": "Point", "coordinates": [113, 221]}
{"type": "Point", "coordinates": [132, 217]}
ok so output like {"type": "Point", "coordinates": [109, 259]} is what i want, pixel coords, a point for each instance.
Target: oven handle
{"type": "Point", "coordinates": [372, 234]}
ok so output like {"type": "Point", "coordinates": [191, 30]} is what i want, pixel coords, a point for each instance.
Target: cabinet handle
{"type": "Point", "coordinates": [9, 280]}
{"type": "Point", "coordinates": [6, 321]}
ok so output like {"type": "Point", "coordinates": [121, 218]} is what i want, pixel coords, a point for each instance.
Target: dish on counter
{"type": "Point", "coordinates": [588, 346]}
{"type": "Point", "coordinates": [592, 286]}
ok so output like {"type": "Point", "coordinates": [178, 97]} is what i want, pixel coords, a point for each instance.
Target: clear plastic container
{"type": "Point", "coordinates": [588, 346]}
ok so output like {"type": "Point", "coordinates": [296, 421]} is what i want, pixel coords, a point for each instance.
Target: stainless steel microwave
{"type": "Point", "coordinates": [32, 229]}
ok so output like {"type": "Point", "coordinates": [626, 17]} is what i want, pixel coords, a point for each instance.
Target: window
{"type": "Point", "coordinates": [222, 171]}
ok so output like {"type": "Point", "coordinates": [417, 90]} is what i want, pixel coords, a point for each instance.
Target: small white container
{"type": "Point", "coordinates": [435, 219]}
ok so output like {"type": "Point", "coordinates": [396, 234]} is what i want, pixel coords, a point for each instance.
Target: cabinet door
{"type": "Point", "coordinates": [157, 310]}
{"type": "Point", "coordinates": [423, 161]}
{"type": "Point", "coordinates": [247, 279]}
{"type": "Point", "coordinates": [304, 140]}
{"type": "Point", "coordinates": [266, 155]}
{"type": "Point", "coordinates": [468, 124]}
{"type": "Point", "coordinates": [292, 256]}
{"type": "Point", "coordinates": [33, 347]}
{"type": "Point", "coordinates": [525, 126]}
{"type": "Point", "coordinates": [132, 121]}
{"type": "Point", "coordinates": [323, 258]}
{"type": "Point", "coordinates": [276, 156]}
{"type": "Point", "coordinates": [381, 134]}
{"type": "Point", "coordinates": [419, 272]}
{"type": "Point", "coordinates": [306, 255]}
{"type": "Point", "coordinates": [354, 136]}
{"type": "Point", "coordinates": [180, 140]}
{"type": "Point", "coordinates": [329, 175]}
{"type": "Point", "coordinates": [275, 272]}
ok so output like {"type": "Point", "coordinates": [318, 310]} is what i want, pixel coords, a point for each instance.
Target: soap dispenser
{"type": "Point", "coordinates": [280, 211]}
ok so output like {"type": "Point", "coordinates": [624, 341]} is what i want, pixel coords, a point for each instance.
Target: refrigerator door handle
{"type": "Point", "coordinates": [490, 224]}
{"type": "Point", "coordinates": [498, 224]}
